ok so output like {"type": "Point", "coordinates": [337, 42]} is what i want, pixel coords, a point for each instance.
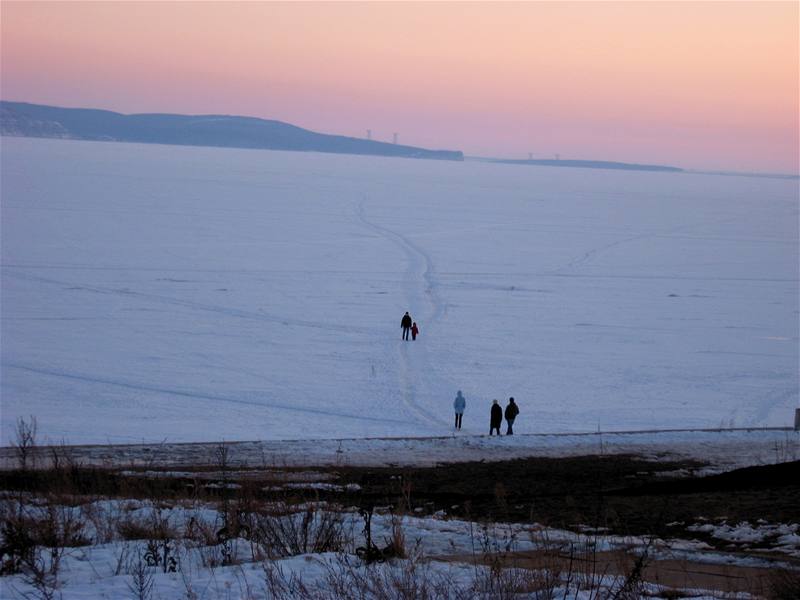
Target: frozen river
{"type": "Point", "coordinates": [199, 294]}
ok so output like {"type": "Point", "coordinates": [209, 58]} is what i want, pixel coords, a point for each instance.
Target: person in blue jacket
{"type": "Point", "coordinates": [459, 404]}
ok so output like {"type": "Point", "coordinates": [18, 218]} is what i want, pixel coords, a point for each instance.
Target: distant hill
{"type": "Point", "coordinates": [589, 164]}
{"type": "Point", "coordinates": [36, 120]}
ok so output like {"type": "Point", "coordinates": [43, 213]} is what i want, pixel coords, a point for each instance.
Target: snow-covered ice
{"type": "Point", "coordinates": [196, 294]}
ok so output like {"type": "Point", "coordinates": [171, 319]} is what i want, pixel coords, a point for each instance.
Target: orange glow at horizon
{"type": "Point", "coordinates": [699, 85]}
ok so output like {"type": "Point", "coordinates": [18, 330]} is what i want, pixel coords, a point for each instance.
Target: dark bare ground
{"type": "Point", "coordinates": [622, 493]}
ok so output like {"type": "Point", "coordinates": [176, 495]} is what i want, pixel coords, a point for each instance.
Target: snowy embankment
{"type": "Point", "coordinates": [452, 554]}
{"type": "Point", "coordinates": [718, 450]}
{"type": "Point", "coordinates": [192, 294]}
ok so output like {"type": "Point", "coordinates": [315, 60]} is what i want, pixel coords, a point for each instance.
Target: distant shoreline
{"type": "Point", "coordinates": [623, 166]}
{"type": "Point", "coordinates": [22, 119]}
{"type": "Point", "coordinates": [589, 164]}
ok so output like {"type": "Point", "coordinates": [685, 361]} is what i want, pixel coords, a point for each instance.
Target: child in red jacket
{"type": "Point", "coordinates": [414, 331]}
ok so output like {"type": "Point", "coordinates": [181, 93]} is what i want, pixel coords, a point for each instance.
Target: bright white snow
{"type": "Point", "coordinates": [155, 292]}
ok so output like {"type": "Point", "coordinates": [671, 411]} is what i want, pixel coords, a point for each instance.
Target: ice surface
{"type": "Point", "coordinates": [156, 292]}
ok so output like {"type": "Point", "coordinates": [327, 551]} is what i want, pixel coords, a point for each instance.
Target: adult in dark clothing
{"type": "Point", "coordinates": [496, 418]}
{"type": "Point", "coordinates": [406, 323]}
{"type": "Point", "coordinates": [512, 410]}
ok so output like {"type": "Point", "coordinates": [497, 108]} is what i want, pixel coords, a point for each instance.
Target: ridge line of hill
{"type": "Point", "coordinates": [23, 119]}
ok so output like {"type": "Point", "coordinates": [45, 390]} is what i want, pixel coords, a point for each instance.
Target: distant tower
{"type": "Point", "coordinates": [558, 157]}
{"type": "Point", "coordinates": [530, 155]}
{"type": "Point", "coordinates": [394, 138]}
{"type": "Point", "coordinates": [369, 134]}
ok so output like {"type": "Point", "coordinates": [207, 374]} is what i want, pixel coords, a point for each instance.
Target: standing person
{"type": "Point", "coordinates": [512, 410]}
{"type": "Point", "coordinates": [496, 418]}
{"type": "Point", "coordinates": [459, 404]}
{"type": "Point", "coordinates": [405, 323]}
{"type": "Point", "coordinates": [414, 331]}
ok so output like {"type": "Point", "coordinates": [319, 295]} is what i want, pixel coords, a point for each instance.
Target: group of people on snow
{"type": "Point", "coordinates": [460, 403]}
{"type": "Point", "coordinates": [495, 416]}
{"type": "Point", "coordinates": [409, 326]}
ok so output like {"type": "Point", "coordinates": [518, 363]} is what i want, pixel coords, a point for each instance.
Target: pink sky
{"type": "Point", "coordinates": [699, 85]}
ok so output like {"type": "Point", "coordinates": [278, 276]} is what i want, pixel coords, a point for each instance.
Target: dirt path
{"type": "Point", "coordinates": [674, 573]}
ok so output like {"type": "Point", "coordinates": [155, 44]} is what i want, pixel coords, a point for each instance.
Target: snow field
{"type": "Point", "coordinates": [196, 294]}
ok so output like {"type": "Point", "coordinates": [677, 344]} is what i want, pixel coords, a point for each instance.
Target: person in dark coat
{"type": "Point", "coordinates": [406, 323]}
{"type": "Point", "coordinates": [496, 418]}
{"type": "Point", "coordinates": [512, 410]}
{"type": "Point", "coordinates": [414, 331]}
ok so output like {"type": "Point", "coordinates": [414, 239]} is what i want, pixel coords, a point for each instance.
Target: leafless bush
{"type": "Point", "coordinates": [155, 526]}
{"type": "Point", "coordinates": [27, 530]}
{"type": "Point", "coordinates": [62, 458]}
{"type": "Point", "coordinates": [631, 585]}
{"type": "Point", "coordinates": [35, 538]}
{"type": "Point", "coordinates": [41, 573]}
{"type": "Point", "coordinates": [105, 518]}
{"type": "Point", "coordinates": [280, 586]}
{"type": "Point", "coordinates": [141, 583]}
{"type": "Point", "coordinates": [200, 532]}
{"type": "Point", "coordinates": [506, 582]}
{"type": "Point", "coordinates": [348, 579]}
{"type": "Point", "coordinates": [398, 539]}
{"type": "Point", "coordinates": [25, 441]}
{"type": "Point", "coordinates": [590, 571]}
{"type": "Point", "coordinates": [122, 556]}
{"type": "Point", "coordinates": [292, 532]}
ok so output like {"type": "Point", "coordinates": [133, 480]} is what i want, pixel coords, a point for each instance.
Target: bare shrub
{"type": "Point", "coordinates": [141, 582]}
{"type": "Point", "coordinates": [200, 532]}
{"type": "Point", "coordinates": [35, 538]}
{"type": "Point", "coordinates": [346, 579]}
{"type": "Point", "coordinates": [279, 586]}
{"type": "Point", "coordinates": [19, 546]}
{"type": "Point", "coordinates": [503, 580]}
{"type": "Point", "coordinates": [398, 538]}
{"type": "Point", "coordinates": [25, 441]}
{"type": "Point", "coordinates": [28, 529]}
{"type": "Point", "coordinates": [155, 526]}
{"type": "Point", "coordinates": [61, 527]}
{"type": "Point", "coordinates": [292, 532]}
{"type": "Point", "coordinates": [122, 556]}
{"type": "Point", "coordinates": [41, 573]}
{"type": "Point", "coordinates": [105, 518]}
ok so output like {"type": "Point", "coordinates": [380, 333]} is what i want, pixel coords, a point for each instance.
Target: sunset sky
{"type": "Point", "coordinates": [699, 85]}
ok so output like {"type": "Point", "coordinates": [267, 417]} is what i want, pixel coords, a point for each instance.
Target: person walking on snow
{"type": "Point", "coordinates": [459, 404]}
{"type": "Point", "coordinates": [496, 418]}
{"type": "Point", "coordinates": [512, 410]}
{"type": "Point", "coordinates": [414, 331]}
{"type": "Point", "coordinates": [405, 323]}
